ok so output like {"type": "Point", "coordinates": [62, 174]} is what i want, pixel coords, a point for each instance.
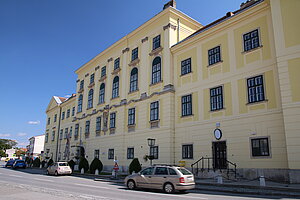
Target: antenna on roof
{"type": "Point", "coordinates": [171, 3]}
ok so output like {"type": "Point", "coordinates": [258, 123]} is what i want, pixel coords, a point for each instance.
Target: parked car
{"type": "Point", "coordinates": [59, 168]}
{"type": "Point", "coordinates": [7, 159]}
{"type": "Point", "coordinates": [9, 163]}
{"type": "Point", "coordinates": [19, 164]}
{"type": "Point", "coordinates": [163, 177]}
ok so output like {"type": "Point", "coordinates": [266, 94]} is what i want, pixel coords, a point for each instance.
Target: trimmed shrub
{"type": "Point", "coordinates": [36, 162]}
{"type": "Point", "coordinates": [83, 163]}
{"type": "Point", "coordinates": [135, 166]}
{"type": "Point", "coordinates": [50, 162]}
{"type": "Point", "coordinates": [43, 163]}
{"type": "Point", "coordinates": [72, 164]}
{"type": "Point", "coordinates": [96, 164]}
{"type": "Point", "coordinates": [27, 160]}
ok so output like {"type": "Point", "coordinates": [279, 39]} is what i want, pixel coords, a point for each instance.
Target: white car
{"type": "Point", "coordinates": [59, 168]}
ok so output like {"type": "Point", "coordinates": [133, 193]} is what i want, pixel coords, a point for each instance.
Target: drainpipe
{"type": "Point", "coordinates": [178, 26]}
{"type": "Point", "coordinates": [58, 130]}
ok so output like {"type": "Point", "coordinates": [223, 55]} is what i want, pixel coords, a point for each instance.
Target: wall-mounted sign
{"type": "Point", "coordinates": [217, 133]}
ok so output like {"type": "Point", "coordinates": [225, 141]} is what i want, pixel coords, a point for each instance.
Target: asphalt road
{"type": "Point", "coordinates": [32, 184]}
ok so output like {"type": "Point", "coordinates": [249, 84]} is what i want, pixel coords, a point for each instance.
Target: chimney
{"type": "Point", "coordinates": [170, 3]}
{"type": "Point", "coordinates": [229, 14]}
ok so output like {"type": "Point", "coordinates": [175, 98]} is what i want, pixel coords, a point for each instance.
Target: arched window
{"type": "Point", "coordinates": [102, 93]}
{"type": "Point", "coordinates": [156, 70]}
{"type": "Point", "coordinates": [133, 80]}
{"type": "Point", "coordinates": [115, 88]}
{"type": "Point", "coordinates": [79, 107]}
{"type": "Point", "coordinates": [90, 98]}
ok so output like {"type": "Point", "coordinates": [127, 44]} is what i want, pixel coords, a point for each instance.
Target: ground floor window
{"type": "Point", "coordinates": [260, 147]}
{"type": "Point", "coordinates": [97, 152]}
{"type": "Point", "coordinates": [130, 153]}
{"type": "Point", "coordinates": [154, 152]}
{"type": "Point", "coordinates": [187, 151]}
{"type": "Point", "coordinates": [111, 153]}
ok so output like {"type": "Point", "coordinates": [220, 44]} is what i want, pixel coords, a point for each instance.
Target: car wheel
{"type": "Point", "coordinates": [56, 173]}
{"type": "Point", "coordinates": [168, 188]}
{"type": "Point", "coordinates": [131, 185]}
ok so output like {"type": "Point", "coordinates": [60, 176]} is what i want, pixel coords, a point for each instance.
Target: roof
{"type": "Point", "coordinates": [244, 6]}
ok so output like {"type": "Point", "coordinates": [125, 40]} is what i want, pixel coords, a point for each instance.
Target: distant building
{"type": "Point", "coordinates": [10, 153]}
{"type": "Point", "coordinates": [36, 145]}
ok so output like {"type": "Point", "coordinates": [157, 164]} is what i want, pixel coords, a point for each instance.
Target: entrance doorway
{"type": "Point", "coordinates": [219, 155]}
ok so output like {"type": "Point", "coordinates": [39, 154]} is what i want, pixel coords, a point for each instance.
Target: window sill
{"type": "Point", "coordinates": [217, 63]}
{"type": "Point", "coordinates": [80, 91]}
{"type": "Point", "coordinates": [189, 73]}
{"type": "Point", "coordinates": [218, 110]}
{"type": "Point", "coordinates": [251, 50]}
{"type": "Point", "coordinates": [102, 78]}
{"type": "Point", "coordinates": [152, 84]}
{"type": "Point", "coordinates": [257, 102]}
{"type": "Point", "coordinates": [154, 123]}
{"type": "Point", "coordinates": [187, 116]}
{"type": "Point", "coordinates": [134, 62]}
{"type": "Point", "coordinates": [156, 51]}
{"type": "Point", "coordinates": [132, 92]}
{"type": "Point", "coordinates": [99, 104]}
{"type": "Point", "coordinates": [116, 71]}
{"type": "Point", "coordinates": [91, 85]}
{"type": "Point", "coordinates": [114, 98]}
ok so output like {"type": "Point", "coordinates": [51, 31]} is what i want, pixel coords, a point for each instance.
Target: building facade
{"type": "Point", "coordinates": [36, 146]}
{"type": "Point", "coordinates": [218, 95]}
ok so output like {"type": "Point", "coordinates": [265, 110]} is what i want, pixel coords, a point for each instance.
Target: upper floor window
{"type": "Point", "coordinates": [186, 105]}
{"type": "Point", "coordinates": [187, 151]}
{"type": "Point", "coordinates": [79, 107]}
{"type": "Point", "coordinates": [90, 98]}
{"type": "Point", "coordinates": [98, 123]}
{"type": "Point", "coordinates": [87, 127]}
{"type": "Point", "coordinates": [131, 116]}
{"type": "Point", "coordinates": [117, 63]}
{"type": "Point", "coordinates": [92, 78]}
{"type": "Point", "coordinates": [70, 134]}
{"type": "Point", "coordinates": [133, 80]}
{"type": "Point", "coordinates": [66, 133]}
{"type": "Point", "coordinates": [255, 89]}
{"type": "Point", "coordinates": [111, 153]}
{"type": "Point", "coordinates": [214, 55]}
{"type": "Point", "coordinates": [73, 111]}
{"type": "Point", "coordinates": [186, 66]}
{"type": "Point", "coordinates": [130, 153]}
{"type": "Point", "coordinates": [48, 121]}
{"type": "Point", "coordinates": [61, 134]}
{"type": "Point", "coordinates": [76, 130]}
{"type": "Point", "coordinates": [156, 70]}
{"type": "Point", "coordinates": [251, 40]}
{"type": "Point", "coordinates": [53, 136]}
{"type": "Point", "coordinates": [103, 71]}
{"type": "Point", "coordinates": [112, 120]}
{"type": "Point", "coordinates": [68, 113]}
{"type": "Point", "coordinates": [115, 88]}
{"type": "Point", "coordinates": [81, 85]}
{"type": "Point", "coordinates": [154, 111]}
{"type": "Point", "coordinates": [156, 42]}
{"type": "Point", "coordinates": [55, 117]}
{"type": "Point", "coordinates": [216, 98]}
{"type": "Point", "coordinates": [63, 115]}
{"type": "Point", "coordinates": [46, 137]}
{"type": "Point", "coordinates": [260, 147]}
{"type": "Point", "coordinates": [102, 93]}
{"type": "Point", "coordinates": [134, 54]}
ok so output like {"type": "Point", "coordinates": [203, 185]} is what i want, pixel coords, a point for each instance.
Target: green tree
{"type": "Point", "coordinates": [135, 166]}
{"type": "Point", "coordinates": [36, 162]}
{"type": "Point", "coordinates": [6, 144]}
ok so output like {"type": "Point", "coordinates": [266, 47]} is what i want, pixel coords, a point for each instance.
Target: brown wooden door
{"type": "Point", "coordinates": [219, 155]}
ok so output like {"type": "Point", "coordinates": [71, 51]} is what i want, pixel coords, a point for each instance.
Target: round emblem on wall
{"type": "Point", "coordinates": [218, 133]}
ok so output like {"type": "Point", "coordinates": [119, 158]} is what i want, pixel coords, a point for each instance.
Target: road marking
{"type": "Point", "coordinates": [39, 179]}
{"type": "Point", "coordinates": [14, 175]}
{"type": "Point", "coordinates": [93, 186]}
{"type": "Point", "coordinates": [171, 195]}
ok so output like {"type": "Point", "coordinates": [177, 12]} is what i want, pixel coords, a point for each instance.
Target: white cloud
{"type": "Point", "coordinates": [34, 122]}
{"type": "Point", "coordinates": [4, 134]}
{"type": "Point", "coordinates": [22, 134]}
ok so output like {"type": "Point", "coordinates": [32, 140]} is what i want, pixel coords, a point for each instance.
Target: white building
{"type": "Point", "coordinates": [36, 145]}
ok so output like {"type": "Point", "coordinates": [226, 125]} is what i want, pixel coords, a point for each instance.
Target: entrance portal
{"type": "Point", "coordinates": [219, 155]}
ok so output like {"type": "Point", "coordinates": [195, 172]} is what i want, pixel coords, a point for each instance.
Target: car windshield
{"type": "Point", "coordinates": [62, 164]}
{"type": "Point", "coordinates": [147, 171]}
{"type": "Point", "coordinates": [184, 171]}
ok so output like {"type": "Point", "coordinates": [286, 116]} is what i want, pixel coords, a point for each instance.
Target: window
{"type": "Point", "coordinates": [251, 40]}
{"type": "Point", "coordinates": [172, 171]}
{"type": "Point", "coordinates": [79, 107]}
{"type": "Point", "coordinates": [186, 66]}
{"type": "Point", "coordinates": [216, 98]}
{"type": "Point", "coordinates": [87, 127]}
{"type": "Point", "coordinates": [260, 147]}
{"type": "Point", "coordinates": [214, 55]}
{"type": "Point", "coordinates": [46, 137]}
{"type": "Point", "coordinates": [92, 78]}
{"type": "Point", "coordinates": [66, 133]}
{"type": "Point", "coordinates": [131, 116]}
{"type": "Point", "coordinates": [98, 123]}
{"type": "Point", "coordinates": [53, 136]}
{"type": "Point", "coordinates": [154, 152]}
{"type": "Point", "coordinates": [156, 70]}
{"type": "Point", "coordinates": [68, 113]}
{"type": "Point", "coordinates": [186, 105]}
{"type": "Point", "coordinates": [148, 171]}
{"type": "Point", "coordinates": [97, 153]}
{"type": "Point", "coordinates": [133, 80]}
{"type": "Point", "coordinates": [154, 111]}
{"type": "Point", "coordinates": [73, 111]}
{"type": "Point", "coordinates": [61, 134]}
{"type": "Point", "coordinates": [81, 85]}
{"type": "Point", "coordinates": [117, 63]}
{"type": "Point", "coordinates": [255, 89]}
{"type": "Point", "coordinates": [134, 54]}
{"type": "Point", "coordinates": [187, 151]}
{"type": "Point", "coordinates": [90, 98]}
{"type": "Point", "coordinates": [103, 71]}
{"type": "Point", "coordinates": [111, 153]}
{"type": "Point", "coordinates": [63, 116]}
{"type": "Point", "coordinates": [55, 117]}
{"type": "Point", "coordinates": [48, 121]}
{"type": "Point", "coordinates": [161, 171]}
{"type": "Point", "coordinates": [115, 89]}
{"type": "Point", "coordinates": [112, 120]}
{"type": "Point", "coordinates": [70, 134]}
{"type": "Point", "coordinates": [76, 131]}
{"type": "Point", "coordinates": [156, 42]}
{"type": "Point", "coordinates": [102, 93]}
{"type": "Point", "coordinates": [130, 153]}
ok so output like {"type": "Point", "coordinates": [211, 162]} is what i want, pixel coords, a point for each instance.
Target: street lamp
{"type": "Point", "coordinates": [151, 143]}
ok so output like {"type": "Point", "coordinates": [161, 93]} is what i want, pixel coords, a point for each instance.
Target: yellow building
{"type": "Point", "coordinates": [221, 96]}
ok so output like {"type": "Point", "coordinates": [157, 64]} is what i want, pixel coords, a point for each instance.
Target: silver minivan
{"type": "Point", "coordinates": [167, 178]}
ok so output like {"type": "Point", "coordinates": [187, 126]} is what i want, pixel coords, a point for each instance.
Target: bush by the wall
{"type": "Point", "coordinates": [135, 166]}
{"type": "Point", "coordinates": [72, 164]}
{"type": "Point", "coordinates": [96, 164]}
{"type": "Point", "coordinates": [27, 160]}
{"type": "Point", "coordinates": [36, 162]}
{"type": "Point", "coordinates": [83, 163]}
{"type": "Point", "coordinates": [50, 162]}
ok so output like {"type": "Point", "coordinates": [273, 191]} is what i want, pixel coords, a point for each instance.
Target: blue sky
{"type": "Point", "coordinates": [42, 43]}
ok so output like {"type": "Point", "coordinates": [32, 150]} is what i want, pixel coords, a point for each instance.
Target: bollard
{"type": "Point", "coordinates": [82, 171]}
{"type": "Point", "coordinates": [219, 179]}
{"type": "Point", "coordinates": [262, 181]}
{"type": "Point", "coordinates": [96, 172]}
